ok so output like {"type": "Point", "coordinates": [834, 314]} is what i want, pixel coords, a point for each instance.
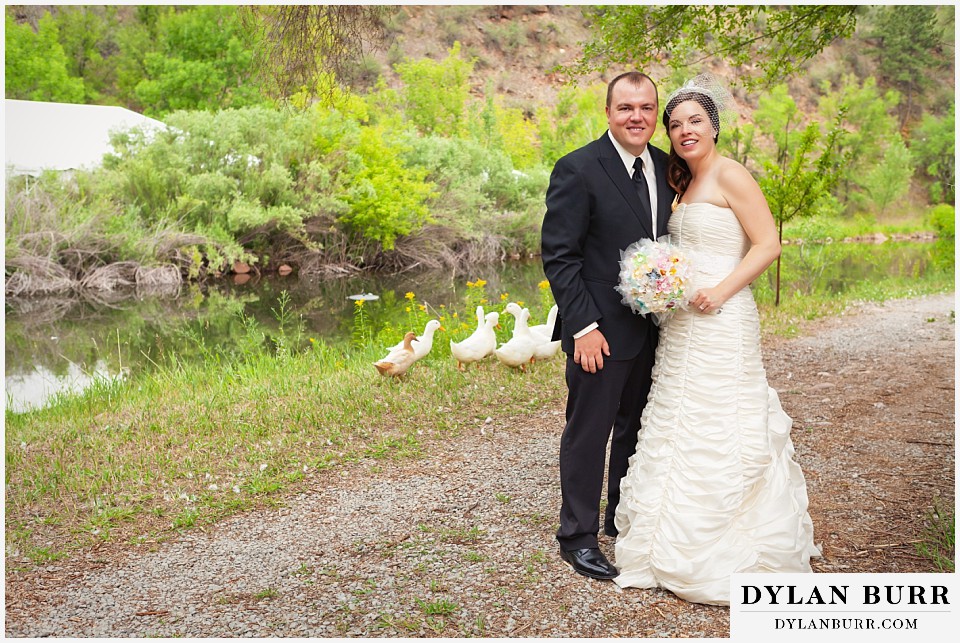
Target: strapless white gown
{"type": "Point", "coordinates": [713, 488]}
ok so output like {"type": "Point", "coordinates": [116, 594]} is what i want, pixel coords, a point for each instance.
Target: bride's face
{"type": "Point", "coordinates": [690, 130]}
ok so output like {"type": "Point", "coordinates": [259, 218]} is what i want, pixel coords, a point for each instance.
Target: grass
{"type": "Point", "coordinates": [440, 607]}
{"type": "Point", "coordinates": [938, 543]}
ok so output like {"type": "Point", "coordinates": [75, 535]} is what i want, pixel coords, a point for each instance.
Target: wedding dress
{"type": "Point", "coordinates": [712, 488]}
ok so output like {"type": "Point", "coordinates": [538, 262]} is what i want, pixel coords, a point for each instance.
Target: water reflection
{"type": "Point", "coordinates": [37, 387]}
{"type": "Point", "coordinates": [61, 344]}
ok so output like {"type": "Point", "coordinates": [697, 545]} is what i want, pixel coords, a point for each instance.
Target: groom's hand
{"type": "Point", "coordinates": [588, 351]}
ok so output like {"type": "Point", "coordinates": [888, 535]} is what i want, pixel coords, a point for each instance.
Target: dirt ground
{"type": "Point", "coordinates": [872, 397]}
{"type": "Point", "coordinates": [370, 551]}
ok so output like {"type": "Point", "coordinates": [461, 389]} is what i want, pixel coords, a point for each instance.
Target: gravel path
{"type": "Point", "coordinates": [460, 543]}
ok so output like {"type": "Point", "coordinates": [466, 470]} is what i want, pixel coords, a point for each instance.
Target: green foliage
{"type": "Point", "coordinates": [779, 117]}
{"type": "Point", "coordinates": [200, 61]}
{"type": "Point", "coordinates": [890, 179]}
{"type": "Point", "coordinates": [788, 36]}
{"type": "Point", "coordinates": [386, 198]}
{"type": "Point", "coordinates": [738, 142]}
{"type": "Point", "coordinates": [800, 180]}
{"type": "Point", "coordinates": [576, 118]}
{"type": "Point", "coordinates": [869, 126]}
{"type": "Point", "coordinates": [480, 192]}
{"type": "Point", "coordinates": [506, 36]}
{"type": "Point", "coordinates": [934, 146]}
{"type": "Point", "coordinates": [943, 218]}
{"type": "Point", "coordinates": [518, 136]}
{"type": "Point", "coordinates": [436, 94]}
{"type": "Point", "coordinates": [35, 65]}
{"type": "Point", "coordinates": [87, 35]}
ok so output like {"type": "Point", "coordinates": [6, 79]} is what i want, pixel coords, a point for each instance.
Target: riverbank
{"type": "Point", "coordinates": [457, 540]}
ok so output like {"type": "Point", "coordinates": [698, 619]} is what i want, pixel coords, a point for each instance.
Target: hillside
{"type": "Point", "coordinates": [517, 47]}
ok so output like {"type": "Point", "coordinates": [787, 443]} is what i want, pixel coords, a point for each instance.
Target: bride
{"type": "Point", "coordinates": [713, 488]}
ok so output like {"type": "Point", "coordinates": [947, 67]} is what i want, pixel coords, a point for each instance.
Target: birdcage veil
{"type": "Point", "coordinates": [707, 90]}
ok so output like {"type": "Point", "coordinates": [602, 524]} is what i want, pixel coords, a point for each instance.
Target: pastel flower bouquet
{"type": "Point", "coordinates": [654, 277]}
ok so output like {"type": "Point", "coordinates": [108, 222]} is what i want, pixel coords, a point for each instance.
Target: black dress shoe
{"type": "Point", "coordinates": [590, 562]}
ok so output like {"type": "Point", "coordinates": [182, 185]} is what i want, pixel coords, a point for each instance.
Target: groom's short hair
{"type": "Point", "coordinates": [635, 78]}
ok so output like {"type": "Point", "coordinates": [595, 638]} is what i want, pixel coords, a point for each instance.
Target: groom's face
{"type": "Point", "coordinates": [632, 114]}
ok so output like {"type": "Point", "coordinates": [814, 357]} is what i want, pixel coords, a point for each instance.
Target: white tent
{"type": "Point", "coordinates": [62, 136]}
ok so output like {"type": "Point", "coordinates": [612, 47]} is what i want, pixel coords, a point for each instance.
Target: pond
{"type": "Point", "coordinates": [57, 346]}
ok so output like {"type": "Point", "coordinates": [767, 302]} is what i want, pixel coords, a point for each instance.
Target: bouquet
{"type": "Point", "coordinates": [653, 277]}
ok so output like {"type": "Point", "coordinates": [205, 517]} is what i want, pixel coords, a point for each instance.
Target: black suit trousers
{"type": "Point", "coordinates": [610, 400]}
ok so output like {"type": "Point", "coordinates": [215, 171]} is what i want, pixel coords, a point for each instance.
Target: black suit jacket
{"type": "Point", "coordinates": [593, 213]}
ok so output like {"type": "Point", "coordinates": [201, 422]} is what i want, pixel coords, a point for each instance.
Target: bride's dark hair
{"type": "Point", "coordinates": [678, 174]}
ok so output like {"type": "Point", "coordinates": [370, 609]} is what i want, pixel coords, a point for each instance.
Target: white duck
{"type": "Point", "coordinates": [481, 343]}
{"type": "Point", "coordinates": [398, 361]}
{"type": "Point", "coordinates": [547, 329]}
{"type": "Point", "coordinates": [546, 349]}
{"type": "Point", "coordinates": [518, 351]}
{"type": "Point", "coordinates": [422, 346]}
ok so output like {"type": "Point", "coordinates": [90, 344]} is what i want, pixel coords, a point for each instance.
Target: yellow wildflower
{"type": "Point", "coordinates": [409, 295]}
{"type": "Point", "coordinates": [504, 296]}
{"type": "Point", "coordinates": [543, 285]}
{"type": "Point", "coordinates": [480, 283]}
{"type": "Point", "coordinates": [408, 309]}
{"type": "Point", "coordinates": [422, 307]}
{"type": "Point", "coordinates": [358, 303]}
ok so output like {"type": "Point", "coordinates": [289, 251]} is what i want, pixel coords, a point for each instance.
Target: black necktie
{"type": "Point", "coordinates": [640, 183]}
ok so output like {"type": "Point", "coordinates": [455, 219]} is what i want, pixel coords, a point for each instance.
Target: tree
{"type": "Point", "coordinates": [35, 64]}
{"type": "Point", "coordinates": [889, 179]}
{"type": "Point", "coordinates": [86, 34]}
{"type": "Point", "coordinates": [200, 61]}
{"type": "Point", "coordinates": [294, 44]}
{"type": "Point", "coordinates": [908, 39]}
{"type": "Point", "coordinates": [777, 114]}
{"type": "Point", "coordinates": [799, 181]}
{"type": "Point", "coordinates": [777, 39]}
{"type": "Point", "coordinates": [869, 124]}
{"type": "Point", "coordinates": [934, 146]}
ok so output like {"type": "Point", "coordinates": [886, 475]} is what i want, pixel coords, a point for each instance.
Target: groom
{"type": "Point", "coordinates": [600, 200]}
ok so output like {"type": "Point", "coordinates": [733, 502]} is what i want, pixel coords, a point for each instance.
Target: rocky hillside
{"type": "Point", "coordinates": [517, 48]}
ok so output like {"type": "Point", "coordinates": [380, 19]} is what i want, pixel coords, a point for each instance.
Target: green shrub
{"type": "Point", "coordinates": [436, 93]}
{"type": "Point", "coordinates": [386, 198]}
{"type": "Point", "coordinates": [943, 218]}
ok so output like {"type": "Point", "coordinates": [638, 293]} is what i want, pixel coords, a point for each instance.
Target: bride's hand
{"type": "Point", "coordinates": [707, 301]}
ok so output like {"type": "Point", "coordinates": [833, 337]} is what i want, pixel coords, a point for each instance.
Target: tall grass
{"type": "Point", "coordinates": [939, 539]}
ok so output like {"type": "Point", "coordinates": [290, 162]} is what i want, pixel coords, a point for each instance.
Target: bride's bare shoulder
{"type": "Point", "coordinates": [731, 174]}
